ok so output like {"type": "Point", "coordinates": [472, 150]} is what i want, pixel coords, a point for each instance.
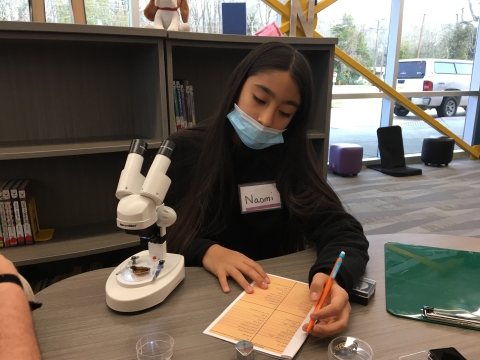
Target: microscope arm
{"type": "Point", "coordinates": [141, 209]}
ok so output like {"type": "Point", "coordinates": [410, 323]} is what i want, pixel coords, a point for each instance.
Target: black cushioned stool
{"type": "Point", "coordinates": [437, 150]}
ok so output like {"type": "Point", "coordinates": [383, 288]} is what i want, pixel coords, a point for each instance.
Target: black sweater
{"type": "Point", "coordinates": [268, 234]}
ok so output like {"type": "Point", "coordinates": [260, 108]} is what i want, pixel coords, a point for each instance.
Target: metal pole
{"type": "Point", "coordinates": [376, 50]}
{"type": "Point", "coordinates": [134, 12]}
{"type": "Point", "coordinates": [420, 40]}
{"type": "Point", "coordinates": [393, 50]}
{"type": "Point", "coordinates": [471, 133]}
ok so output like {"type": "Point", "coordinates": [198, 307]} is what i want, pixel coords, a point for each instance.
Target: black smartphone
{"type": "Point", "coordinates": [445, 354]}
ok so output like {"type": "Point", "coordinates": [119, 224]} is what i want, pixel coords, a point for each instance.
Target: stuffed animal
{"type": "Point", "coordinates": [164, 14]}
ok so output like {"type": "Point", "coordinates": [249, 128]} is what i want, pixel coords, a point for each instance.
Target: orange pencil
{"type": "Point", "coordinates": [326, 289]}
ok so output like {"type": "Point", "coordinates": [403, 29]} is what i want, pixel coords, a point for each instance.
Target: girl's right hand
{"type": "Point", "coordinates": [223, 262]}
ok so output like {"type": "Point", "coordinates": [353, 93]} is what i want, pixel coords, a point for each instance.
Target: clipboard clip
{"type": "Point", "coordinates": [455, 317]}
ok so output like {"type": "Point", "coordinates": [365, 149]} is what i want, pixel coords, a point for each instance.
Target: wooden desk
{"type": "Point", "coordinates": [75, 322]}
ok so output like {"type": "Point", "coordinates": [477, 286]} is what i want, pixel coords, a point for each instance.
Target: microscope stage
{"type": "Point", "coordinates": [129, 292]}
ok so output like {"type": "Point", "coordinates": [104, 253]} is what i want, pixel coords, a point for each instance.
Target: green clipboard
{"type": "Point", "coordinates": [443, 279]}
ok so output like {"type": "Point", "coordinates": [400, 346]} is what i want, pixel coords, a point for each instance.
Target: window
{"type": "Point", "coordinates": [143, 21]}
{"type": "Point", "coordinates": [14, 10]}
{"type": "Point", "coordinates": [58, 11]}
{"type": "Point", "coordinates": [464, 69]}
{"type": "Point", "coordinates": [444, 68]}
{"type": "Point", "coordinates": [411, 69]}
{"type": "Point", "coordinates": [107, 12]}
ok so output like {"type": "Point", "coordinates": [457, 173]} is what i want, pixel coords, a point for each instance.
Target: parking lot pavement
{"type": "Point", "coordinates": [357, 120]}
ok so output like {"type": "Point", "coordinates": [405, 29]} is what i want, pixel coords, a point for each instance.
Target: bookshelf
{"type": "Point", "coordinates": [207, 60]}
{"type": "Point", "coordinates": [73, 97]}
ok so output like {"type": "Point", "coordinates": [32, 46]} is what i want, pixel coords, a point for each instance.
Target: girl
{"type": "Point", "coordinates": [246, 187]}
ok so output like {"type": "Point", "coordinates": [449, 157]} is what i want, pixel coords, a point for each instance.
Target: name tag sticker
{"type": "Point", "coordinates": [259, 197]}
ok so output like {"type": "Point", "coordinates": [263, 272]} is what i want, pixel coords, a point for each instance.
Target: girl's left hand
{"type": "Point", "coordinates": [332, 318]}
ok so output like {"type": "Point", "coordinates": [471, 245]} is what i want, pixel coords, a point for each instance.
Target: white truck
{"type": "Point", "coordinates": [434, 75]}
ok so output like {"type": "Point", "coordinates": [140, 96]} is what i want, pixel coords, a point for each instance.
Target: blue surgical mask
{"type": "Point", "coordinates": [251, 132]}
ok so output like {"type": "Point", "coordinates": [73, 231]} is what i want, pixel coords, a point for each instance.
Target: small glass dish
{"type": "Point", "coordinates": [349, 348]}
{"type": "Point", "coordinates": [155, 346]}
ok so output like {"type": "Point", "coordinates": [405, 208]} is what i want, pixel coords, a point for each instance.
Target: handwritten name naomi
{"type": "Point", "coordinates": [252, 200]}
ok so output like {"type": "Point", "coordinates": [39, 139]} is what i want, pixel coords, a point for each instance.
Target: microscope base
{"type": "Point", "coordinates": [126, 292]}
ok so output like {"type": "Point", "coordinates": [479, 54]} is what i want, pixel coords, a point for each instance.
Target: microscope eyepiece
{"type": "Point", "coordinates": [138, 147]}
{"type": "Point", "coordinates": [166, 148]}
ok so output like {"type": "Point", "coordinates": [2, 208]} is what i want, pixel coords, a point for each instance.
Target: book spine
{"type": "Point", "coordinates": [5, 228]}
{"type": "Point", "coordinates": [188, 103]}
{"type": "Point", "coordinates": [24, 194]}
{"type": "Point", "coordinates": [17, 213]}
{"type": "Point", "coordinates": [1, 235]}
{"type": "Point", "coordinates": [3, 220]}
{"type": "Point", "coordinates": [7, 205]}
{"type": "Point", "coordinates": [192, 105]}
{"type": "Point", "coordinates": [187, 106]}
{"type": "Point", "coordinates": [180, 112]}
{"type": "Point", "coordinates": [175, 107]}
{"type": "Point", "coordinates": [184, 107]}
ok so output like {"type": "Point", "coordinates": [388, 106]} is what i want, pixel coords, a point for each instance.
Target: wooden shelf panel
{"type": "Point", "coordinates": [124, 33]}
{"type": "Point", "coordinates": [95, 88]}
{"type": "Point", "coordinates": [76, 88]}
{"type": "Point", "coordinates": [61, 148]}
{"type": "Point", "coordinates": [70, 243]}
{"type": "Point", "coordinates": [199, 39]}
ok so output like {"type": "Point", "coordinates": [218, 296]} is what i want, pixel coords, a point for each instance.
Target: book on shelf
{"type": "Point", "coordinates": [192, 104]}
{"type": "Point", "coordinates": [189, 103]}
{"type": "Point", "coordinates": [17, 212]}
{"type": "Point", "coordinates": [9, 217]}
{"type": "Point", "coordinates": [37, 287]}
{"type": "Point", "coordinates": [15, 220]}
{"type": "Point", "coordinates": [95, 265]}
{"type": "Point", "coordinates": [188, 110]}
{"type": "Point", "coordinates": [24, 195]}
{"type": "Point", "coordinates": [178, 122]}
{"type": "Point", "coordinates": [43, 284]}
{"type": "Point", "coordinates": [184, 106]}
{"type": "Point", "coordinates": [1, 235]}
{"type": "Point", "coordinates": [181, 113]}
{"type": "Point", "coordinates": [3, 219]}
{"type": "Point", "coordinates": [76, 270]}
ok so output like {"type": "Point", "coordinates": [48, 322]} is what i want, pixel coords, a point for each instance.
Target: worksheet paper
{"type": "Point", "coordinates": [271, 319]}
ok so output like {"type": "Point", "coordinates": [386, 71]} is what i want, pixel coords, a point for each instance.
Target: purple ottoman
{"type": "Point", "coordinates": [345, 159]}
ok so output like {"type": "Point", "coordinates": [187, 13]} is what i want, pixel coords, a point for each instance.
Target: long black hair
{"type": "Point", "coordinates": [299, 181]}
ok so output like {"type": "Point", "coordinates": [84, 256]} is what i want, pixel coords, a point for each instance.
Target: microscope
{"type": "Point", "coordinates": [148, 277]}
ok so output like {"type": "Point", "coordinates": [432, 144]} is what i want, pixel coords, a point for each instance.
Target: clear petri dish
{"type": "Point", "coordinates": [155, 346]}
{"type": "Point", "coordinates": [349, 348]}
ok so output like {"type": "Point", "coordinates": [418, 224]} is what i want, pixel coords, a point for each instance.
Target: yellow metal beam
{"type": "Point", "coordinates": [285, 27]}
{"type": "Point", "coordinates": [392, 93]}
{"type": "Point", "coordinates": [78, 11]}
{"type": "Point", "coordinates": [476, 147]}
{"type": "Point", "coordinates": [38, 10]}
{"type": "Point", "coordinates": [284, 11]}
